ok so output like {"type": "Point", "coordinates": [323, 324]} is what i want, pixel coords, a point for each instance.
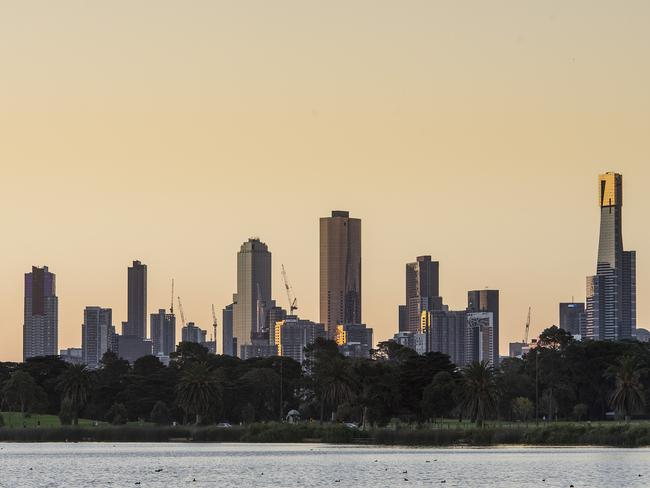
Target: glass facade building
{"type": "Point", "coordinates": [227, 346]}
{"type": "Point", "coordinates": [446, 332]}
{"type": "Point", "coordinates": [96, 335]}
{"type": "Point", "coordinates": [41, 314]}
{"type": "Point", "coordinates": [136, 322]}
{"type": "Point", "coordinates": [611, 292]}
{"type": "Point", "coordinates": [163, 332]}
{"type": "Point", "coordinates": [487, 301]}
{"type": "Point", "coordinates": [422, 291]}
{"type": "Point", "coordinates": [572, 317]}
{"type": "Point", "coordinates": [292, 335]}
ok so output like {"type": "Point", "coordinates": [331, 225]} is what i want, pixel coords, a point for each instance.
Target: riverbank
{"type": "Point", "coordinates": [614, 435]}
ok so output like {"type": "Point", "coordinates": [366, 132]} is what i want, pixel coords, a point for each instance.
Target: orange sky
{"type": "Point", "coordinates": [170, 132]}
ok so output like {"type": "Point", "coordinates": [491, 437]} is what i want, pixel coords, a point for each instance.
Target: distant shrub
{"type": "Point", "coordinates": [634, 435]}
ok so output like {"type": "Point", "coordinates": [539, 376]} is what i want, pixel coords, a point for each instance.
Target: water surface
{"type": "Point", "coordinates": [297, 465]}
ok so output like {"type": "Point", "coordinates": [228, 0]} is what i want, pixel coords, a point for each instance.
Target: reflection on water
{"type": "Point", "coordinates": [291, 465]}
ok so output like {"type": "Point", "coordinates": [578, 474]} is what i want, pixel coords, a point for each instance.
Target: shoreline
{"type": "Point", "coordinates": [627, 436]}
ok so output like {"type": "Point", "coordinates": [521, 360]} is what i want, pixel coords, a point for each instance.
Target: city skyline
{"type": "Point", "coordinates": [417, 276]}
{"type": "Point", "coordinates": [171, 135]}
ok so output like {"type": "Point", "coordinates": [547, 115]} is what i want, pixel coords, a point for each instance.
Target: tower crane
{"type": "Point", "coordinates": [214, 326]}
{"type": "Point", "coordinates": [293, 302]}
{"type": "Point", "coordinates": [180, 308]}
{"type": "Point", "coordinates": [527, 327]}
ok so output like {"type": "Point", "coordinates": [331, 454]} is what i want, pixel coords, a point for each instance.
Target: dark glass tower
{"type": "Point", "coordinates": [611, 293]}
{"type": "Point", "coordinates": [572, 317]}
{"type": "Point", "coordinates": [136, 323]}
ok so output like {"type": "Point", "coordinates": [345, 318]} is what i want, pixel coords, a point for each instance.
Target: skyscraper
{"type": "Point", "coordinates": [253, 297]}
{"type": "Point", "coordinates": [41, 309]}
{"type": "Point", "coordinates": [446, 332]}
{"type": "Point", "coordinates": [485, 301]}
{"type": "Point", "coordinates": [611, 293]}
{"type": "Point", "coordinates": [340, 270]}
{"type": "Point", "coordinates": [422, 291]}
{"type": "Point", "coordinates": [480, 340]}
{"type": "Point", "coordinates": [163, 332]}
{"type": "Point", "coordinates": [96, 334]}
{"type": "Point", "coordinates": [354, 340]}
{"type": "Point", "coordinates": [292, 335]}
{"type": "Point", "coordinates": [193, 333]}
{"type": "Point", "coordinates": [228, 346]}
{"type": "Point", "coordinates": [572, 317]}
{"type": "Point", "coordinates": [136, 322]}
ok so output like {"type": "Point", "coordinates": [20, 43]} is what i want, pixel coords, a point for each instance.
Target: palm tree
{"type": "Point", "coordinates": [75, 384]}
{"type": "Point", "coordinates": [627, 396]}
{"type": "Point", "coordinates": [480, 391]}
{"type": "Point", "coordinates": [336, 384]}
{"type": "Point", "coordinates": [198, 390]}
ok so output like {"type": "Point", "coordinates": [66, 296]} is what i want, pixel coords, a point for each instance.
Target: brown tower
{"type": "Point", "coordinates": [340, 270]}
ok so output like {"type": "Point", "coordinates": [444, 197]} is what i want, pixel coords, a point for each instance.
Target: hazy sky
{"type": "Point", "coordinates": [170, 132]}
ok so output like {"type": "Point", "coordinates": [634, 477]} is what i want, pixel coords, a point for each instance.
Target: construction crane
{"type": "Point", "coordinates": [527, 327]}
{"type": "Point", "coordinates": [214, 325]}
{"type": "Point", "coordinates": [171, 308]}
{"type": "Point", "coordinates": [180, 309]}
{"type": "Point", "coordinates": [293, 302]}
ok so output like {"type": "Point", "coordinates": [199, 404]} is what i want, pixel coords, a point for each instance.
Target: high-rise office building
{"type": "Point", "coordinates": [192, 333]}
{"type": "Point", "coordinates": [258, 349]}
{"type": "Point", "coordinates": [96, 335]}
{"type": "Point", "coordinates": [136, 323]}
{"type": "Point", "coordinates": [163, 332]}
{"type": "Point", "coordinates": [516, 349]}
{"type": "Point", "coordinates": [131, 348]}
{"type": "Point", "coordinates": [72, 355]}
{"type": "Point", "coordinates": [611, 293]}
{"type": "Point", "coordinates": [480, 341]}
{"type": "Point", "coordinates": [292, 335]}
{"type": "Point", "coordinates": [133, 343]}
{"type": "Point", "coordinates": [402, 318]}
{"type": "Point", "coordinates": [340, 270]}
{"type": "Point", "coordinates": [487, 301]}
{"type": "Point", "coordinates": [274, 315]}
{"type": "Point", "coordinates": [253, 297]}
{"type": "Point", "coordinates": [572, 317]}
{"type": "Point", "coordinates": [413, 340]}
{"type": "Point", "coordinates": [446, 332]}
{"type": "Point", "coordinates": [228, 346]}
{"type": "Point", "coordinates": [41, 314]}
{"type": "Point", "coordinates": [354, 340]}
{"type": "Point", "coordinates": [422, 291]}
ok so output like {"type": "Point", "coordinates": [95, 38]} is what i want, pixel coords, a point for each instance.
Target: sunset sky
{"type": "Point", "coordinates": [171, 131]}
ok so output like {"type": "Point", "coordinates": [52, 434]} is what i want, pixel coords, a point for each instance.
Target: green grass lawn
{"type": "Point", "coordinates": [16, 419]}
{"type": "Point", "coordinates": [466, 424]}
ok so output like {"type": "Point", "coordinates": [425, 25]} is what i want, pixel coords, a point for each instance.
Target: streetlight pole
{"type": "Point", "coordinates": [536, 386]}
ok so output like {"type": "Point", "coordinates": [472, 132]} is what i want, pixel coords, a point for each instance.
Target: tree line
{"type": "Point", "coordinates": [561, 379]}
